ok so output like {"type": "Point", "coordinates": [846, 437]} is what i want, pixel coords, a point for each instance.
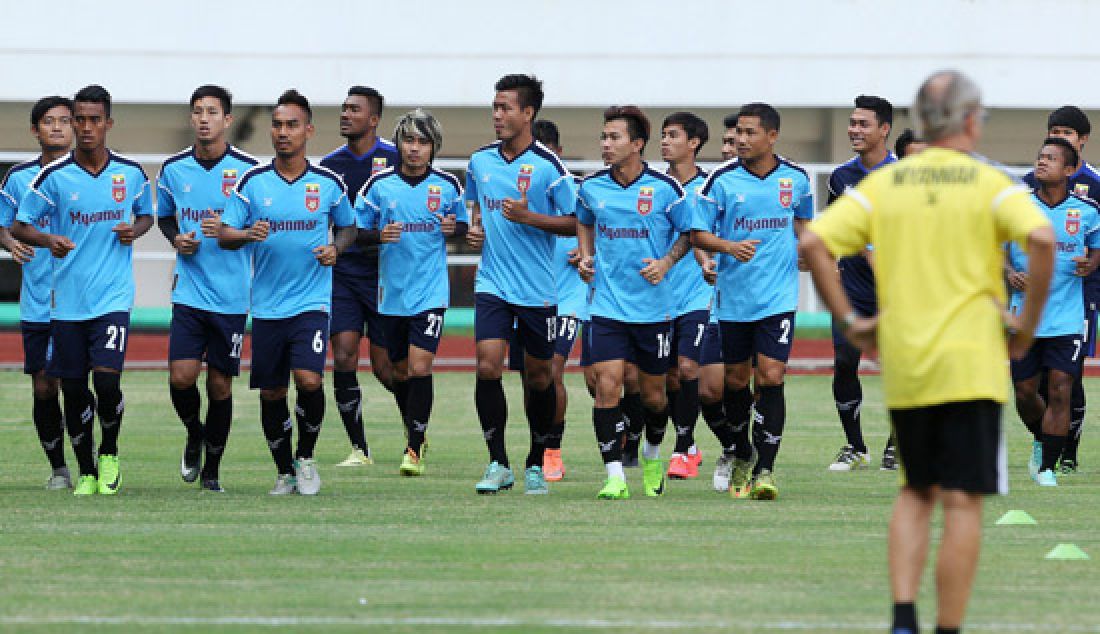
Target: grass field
{"type": "Point", "coordinates": [429, 555]}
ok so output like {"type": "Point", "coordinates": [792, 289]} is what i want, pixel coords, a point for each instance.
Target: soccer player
{"type": "Point", "coordinates": [1059, 339]}
{"type": "Point", "coordinates": [413, 208]}
{"type": "Point", "coordinates": [355, 276]}
{"type": "Point", "coordinates": [683, 135]}
{"type": "Point", "coordinates": [286, 208]}
{"type": "Point", "coordinates": [51, 125]}
{"type": "Point", "coordinates": [632, 230]}
{"type": "Point", "coordinates": [210, 292]}
{"type": "Point", "coordinates": [729, 137]}
{"type": "Point", "coordinates": [753, 209]}
{"type": "Point", "coordinates": [908, 144]}
{"type": "Point", "coordinates": [90, 197]}
{"type": "Point", "coordinates": [521, 197]}
{"type": "Point", "coordinates": [940, 329]}
{"type": "Point", "coordinates": [868, 129]}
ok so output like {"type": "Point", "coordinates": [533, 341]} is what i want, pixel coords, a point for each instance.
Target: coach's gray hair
{"type": "Point", "coordinates": [943, 102]}
{"type": "Point", "coordinates": [419, 123]}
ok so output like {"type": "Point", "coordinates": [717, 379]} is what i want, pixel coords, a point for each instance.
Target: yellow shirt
{"type": "Point", "coordinates": [938, 222]}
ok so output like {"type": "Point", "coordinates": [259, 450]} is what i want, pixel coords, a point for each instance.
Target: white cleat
{"type": "Point", "coordinates": [357, 458]}
{"type": "Point", "coordinates": [309, 481]}
{"type": "Point", "coordinates": [723, 468]}
{"type": "Point", "coordinates": [285, 484]}
{"type": "Point", "coordinates": [61, 479]}
{"type": "Point", "coordinates": [848, 459]}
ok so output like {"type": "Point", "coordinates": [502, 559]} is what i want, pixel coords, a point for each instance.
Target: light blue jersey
{"type": "Point", "coordinates": [631, 223]}
{"type": "Point", "coordinates": [738, 205]}
{"type": "Point", "coordinates": [1076, 222]}
{"type": "Point", "coordinates": [211, 279]}
{"type": "Point", "coordinates": [691, 290]}
{"type": "Point", "coordinates": [97, 276]}
{"type": "Point", "coordinates": [287, 279]}
{"type": "Point", "coordinates": [572, 291]}
{"type": "Point", "coordinates": [517, 260]}
{"type": "Point", "coordinates": [412, 272]}
{"type": "Point", "coordinates": [34, 296]}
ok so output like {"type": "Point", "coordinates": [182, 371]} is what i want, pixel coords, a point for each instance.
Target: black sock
{"type": "Point", "coordinates": [671, 396]}
{"type": "Point", "coordinates": [46, 413]}
{"type": "Point", "coordinates": [891, 442]}
{"type": "Point", "coordinates": [219, 416]}
{"type": "Point", "coordinates": [905, 619]}
{"type": "Point", "coordinates": [541, 407]}
{"type": "Point", "coordinates": [634, 414]}
{"type": "Point", "coordinates": [349, 402]}
{"type": "Point", "coordinates": [492, 412]}
{"type": "Point", "coordinates": [609, 425]}
{"type": "Point", "coordinates": [738, 404]}
{"type": "Point", "coordinates": [188, 403]}
{"type": "Point", "coordinates": [1076, 419]}
{"type": "Point", "coordinates": [555, 435]}
{"type": "Point", "coordinates": [309, 409]}
{"type": "Point", "coordinates": [1052, 450]}
{"type": "Point", "coordinates": [79, 421]}
{"type": "Point", "coordinates": [110, 405]}
{"type": "Point", "coordinates": [400, 391]}
{"type": "Point", "coordinates": [685, 413]}
{"type": "Point", "coordinates": [946, 630]}
{"type": "Point", "coordinates": [772, 412]}
{"type": "Point", "coordinates": [419, 407]}
{"type": "Point", "coordinates": [848, 394]}
{"type": "Point", "coordinates": [656, 422]}
{"type": "Point", "coordinates": [275, 417]}
{"type": "Point", "coordinates": [715, 416]}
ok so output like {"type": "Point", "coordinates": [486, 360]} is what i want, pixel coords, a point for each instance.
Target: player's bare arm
{"type": "Point", "coordinates": [59, 246]}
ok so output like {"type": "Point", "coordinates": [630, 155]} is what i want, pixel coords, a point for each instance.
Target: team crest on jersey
{"type": "Point", "coordinates": [1073, 221]}
{"type": "Point", "coordinates": [313, 196]}
{"type": "Point", "coordinates": [229, 181]}
{"type": "Point", "coordinates": [118, 187]}
{"type": "Point", "coordinates": [524, 180]}
{"type": "Point", "coordinates": [786, 192]}
{"type": "Point", "coordinates": [645, 200]}
{"type": "Point", "coordinates": [1081, 189]}
{"type": "Point", "coordinates": [378, 164]}
{"type": "Point", "coordinates": [435, 195]}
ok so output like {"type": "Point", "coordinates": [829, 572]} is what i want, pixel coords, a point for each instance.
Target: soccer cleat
{"type": "Point", "coordinates": [212, 486]}
{"type": "Point", "coordinates": [305, 472]}
{"type": "Point", "coordinates": [695, 458]}
{"type": "Point", "coordinates": [285, 484]}
{"type": "Point", "coordinates": [848, 459]}
{"type": "Point", "coordinates": [412, 464]}
{"type": "Point", "coordinates": [723, 467]}
{"type": "Point", "coordinates": [61, 479]}
{"type": "Point", "coordinates": [1066, 467]}
{"type": "Point", "coordinates": [86, 485]}
{"type": "Point", "coordinates": [614, 488]}
{"type": "Point", "coordinates": [496, 477]}
{"type": "Point", "coordinates": [357, 458]}
{"type": "Point", "coordinates": [764, 487]}
{"type": "Point", "coordinates": [680, 467]}
{"type": "Point", "coordinates": [191, 462]}
{"type": "Point", "coordinates": [653, 477]}
{"type": "Point", "coordinates": [109, 477]}
{"type": "Point", "coordinates": [1046, 478]}
{"type": "Point", "coordinates": [889, 459]}
{"type": "Point", "coordinates": [552, 466]}
{"type": "Point", "coordinates": [740, 479]}
{"type": "Point", "coordinates": [1036, 459]}
{"type": "Point", "coordinates": [533, 481]}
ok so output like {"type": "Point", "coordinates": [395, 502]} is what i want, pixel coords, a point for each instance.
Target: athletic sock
{"type": "Point", "coordinates": [772, 413]}
{"type": "Point", "coordinates": [946, 630]}
{"type": "Point", "coordinates": [609, 425]}
{"type": "Point", "coordinates": [634, 415]}
{"type": "Point", "coordinates": [555, 435]}
{"type": "Point", "coordinates": [275, 417]}
{"type": "Point", "coordinates": [685, 412]}
{"type": "Point", "coordinates": [79, 421]}
{"type": "Point", "coordinates": [1052, 450]}
{"type": "Point", "coordinates": [656, 422]}
{"type": "Point", "coordinates": [738, 404]}
{"type": "Point", "coordinates": [219, 416]}
{"type": "Point", "coordinates": [419, 407]}
{"type": "Point", "coordinates": [492, 412]}
{"type": "Point", "coordinates": [849, 419]}
{"type": "Point", "coordinates": [188, 403]}
{"type": "Point", "coordinates": [541, 406]}
{"type": "Point", "coordinates": [905, 619]}
{"type": "Point", "coordinates": [349, 402]}
{"type": "Point", "coordinates": [309, 409]}
{"type": "Point", "coordinates": [1076, 419]}
{"type": "Point", "coordinates": [46, 413]}
{"type": "Point", "coordinates": [848, 394]}
{"type": "Point", "coordinates": [110, 405]}
{"type": "Point", "coordinates": [715, 416]}
{"type": "Point", "coordinates": [400, 391]}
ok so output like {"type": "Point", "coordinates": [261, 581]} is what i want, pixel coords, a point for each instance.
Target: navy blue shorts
{"type": "Point", "coordinates": [1090, 331]}
{"type": "Point", "coordinates": [770, 336]}
{"type": "Point", "coordinates": [36, 345]}
{"type": "Point", "coordinates": [355, 307]}
{"type": "Point", "coordinates": [216, 338]}
{"type": "Point", "coordinates": [421, 330]}
{"type": "Point", "coordinates": [688, 331]}
{"type": "Point", "coordinates": [495, 318]}
{"type": "Point", "coordinates": [1062, 353]}
{"type": "Point", "coordinates": [281, 345]}
{"type": "Point", "coordinates": [586, 345]}
{"type": "Point", "coordinates": [649, 346]}
{"type": "Point", "coordinates": [712, 345]}
{"type": "Point", "coordinates": [568, 329]}
{"type": "Point", "coordinates": [78, 346]}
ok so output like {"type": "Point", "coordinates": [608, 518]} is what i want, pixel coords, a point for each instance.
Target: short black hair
{"type": "Point", "coordinates": [94, 93]}
{"type": "Point", "coordinates": [1070, 117]}
{"type": "Point", "coordinates": [1068, 150]}
{"type": "Point", "coordinates": [884, 110]}
{"type": "Point", "coordinates": [637, 124]}
{"type": "Point", "coordinates": [528, 90]}
{"type": "Point", "coordinates": [217, 92]}
{"type": "Point", "coordinates": [769, 116]}
{"type": "Point", "coordinates": [292, 97]}
{"type": "Point", "coordinates": [546, 132]}
{"type": "Point", "coordinates": [730, 121]}
{"type": "Point", "coordinates": [905, 139]}
{"type": "Point", "coordinates": [45, 104]}
{"type": "Point", "coordinates": [693, 125]}
{"type": "Point", "coordinates": [374, 98]}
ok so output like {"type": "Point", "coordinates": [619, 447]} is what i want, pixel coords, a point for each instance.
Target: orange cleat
{"type": "Point", "coordinates": [552, 466]}
{"type": "Point", "coordinates": [680, 467]}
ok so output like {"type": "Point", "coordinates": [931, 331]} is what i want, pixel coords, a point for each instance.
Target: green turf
{"type": "Point", "coordinates": [430, 555]}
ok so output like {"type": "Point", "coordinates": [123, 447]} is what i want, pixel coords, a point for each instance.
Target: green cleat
{"type": "Point", "coordinates": [1047, 478]}
{"type": "Point", "coordinates": [534, 482]}
{"type": "Point", "coordinates": [411, 464]}
{"type": "Point", "coordinates": [614, 489]}
{"type": "Point", "coordinates": [1035, 460]}
{"type": "Point", "coordinates": [109, 477]}
{"type": "Point", "coordinates": [496, 477]}
{"type": "Point", "coordinates": [740, 478]}
{"type": "Point", "coordinates": [764, 487]}
{"type": "Point", "coordinates": [653, 477]}
{"type": "Point", "coordinates": [86, 485]}
{"type": "Point", "coordinates": [1067, 466]}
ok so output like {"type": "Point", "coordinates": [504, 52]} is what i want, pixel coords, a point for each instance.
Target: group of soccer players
{"type": "Point", "coordinates": [681, 285]}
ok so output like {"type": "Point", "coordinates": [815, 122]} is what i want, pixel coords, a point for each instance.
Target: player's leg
{"type": "Point", "coordinates": [608, 344]}
{"type": "Point", "coordinates": [538, 330]}
{"type": "Point", "coordinates": [848, 396]}
{"type": "Point", "coordinates": [271, 374]}
{"type": "Point", "coordinates": [423, 333]}
{"type": "Point", "coordinates": [634, 413]}
{"type": "Point", "coordinates": [348, 319]}
{"type": "Point", "coordinates": [70, 344]}
{"type": "Point", "coordinates": [307, 351]}
{"type": "Point", "coordinates": [737, 399]}
{"type": "Point", "coordinates": [107, 355]}
{"type": "Point", "coordinates": [688, 333]}
{"type": "Point", "coordinates": [712, 385]}
{"type": "Point", "coordinates": [493, 323]}
{"type": "Point", "coordinates": [1069, 463]}
{"type": "Point", "coordinates": [187, 342]}
{"type": "Point", "coordinates": [46, 409]}
{"type": "Point", "coordinates": [651, 348]}
{"type": "Point", "coordinates": [1030, 405]}
{"type": "Point", "coordinates": [380, 364]}
{"type": "Point", "coordinates": [223, 362]}
{"type": "Point", "coordinates": [1061, 357]}
{"type": "Point", "coordinates": [772, 342]}
{"type": "Point", "coordinates": [568, 330]}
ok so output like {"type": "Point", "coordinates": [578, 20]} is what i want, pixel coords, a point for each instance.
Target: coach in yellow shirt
{"type": "Point", "coordinates": [938, 221]}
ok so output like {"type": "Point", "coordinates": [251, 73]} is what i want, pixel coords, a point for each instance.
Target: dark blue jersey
{"type": "Point", "coordinates": [1085, 183]}
{"type": "Point", "coordinates": [355, 171]}
{"type": "Point", "coordinates": [855, 271]}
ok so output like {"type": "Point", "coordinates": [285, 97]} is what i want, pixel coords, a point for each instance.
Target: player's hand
{"type": "Point", "coordinates": [211, 225]}
{"type": "Point", "coordinates": [391, 233]}
{"type": "Point", "coordinates": [258, 232]}
{"type": "Point", "coordinates": [125, 233]}
{"type": "Point", "coordinates": [60, 246]}
{"type": "Point", "coordinates": [447, 224]}
{"type": "Point", "coordinates": [863, 333]}
{"type": "Point", "coordinates": [1019, 338]}
{"type": "Point", "coordinates": [1018, 280]}
{"type": "Point", "coordinates": [21, 253]}
{"type": "Point", "coordinates": [573, 257]}
{"type": "Point", "coordinates": [655, 269]}
{"type": "Point", "coordinates": [710, 271]}
{"type": "Point", "coordinates": [1082, 266]}
{"type": "Point", "coordinates": [586, 268]}
{"type": "Point", "coordinates": [475, 237]}
{"type": "Point", "coordinates": [326, 254]}
{"type": "Point", "coordinates": [743, 250]}
{"type": "Point", "coordinates": [185, 243]}
{"type": "Point", "coordinates": [516, 210]}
